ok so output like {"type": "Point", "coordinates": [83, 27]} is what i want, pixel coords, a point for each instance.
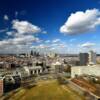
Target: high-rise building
{"type": "Point", "coordinates": [92, 57]}
{"type": "Point", "coordinates": [31, 53]}
{"type": "Point", "coordinates": [83, 59]}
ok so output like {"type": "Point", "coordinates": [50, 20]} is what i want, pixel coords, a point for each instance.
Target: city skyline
{"type": "Point", "coordinates": [61, 26]}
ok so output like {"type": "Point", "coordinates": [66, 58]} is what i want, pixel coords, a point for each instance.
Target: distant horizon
{"type": "Point", "coordinates": [98, 54]}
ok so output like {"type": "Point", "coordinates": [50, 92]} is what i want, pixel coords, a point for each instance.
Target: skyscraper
{"type": "Point", "coordinates": [92, 57]}
{"type": "Point", "coordinates": [83, 59]}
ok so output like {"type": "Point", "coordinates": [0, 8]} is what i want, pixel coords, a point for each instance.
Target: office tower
{"type": "Point", "coordinates": [83, 59]}
{"type": "Point", "coordinates": [92, 57]}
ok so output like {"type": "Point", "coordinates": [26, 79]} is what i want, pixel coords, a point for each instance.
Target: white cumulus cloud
{"type": "Point", "coordinates": [56, 40]}
{"type": "Point", "coordinates": [81, 22]}
{"type": "Point", "coordinates": [6, 17]}
{"type": "Point", "coordinates": [24, 27]}
{"type": "Point", "coordinates": [44, 32]}
{"type": "Point", "coordinates": [88, 44]}
{"type": "Point", "coordinates": [47, 41]}
{"type": "Point", "coordinates": [20, 38]}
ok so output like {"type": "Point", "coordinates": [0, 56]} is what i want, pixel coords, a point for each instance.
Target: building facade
{"type": "Point", "coordinates": [83, 59]}
{"type": "Point", "coordinates": [92, 57]}
{"type": "Point", "coordinates": [85, 70]}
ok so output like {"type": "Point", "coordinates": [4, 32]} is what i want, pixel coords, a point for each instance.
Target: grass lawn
{"type": "Point", "coordinates": [48, 90]}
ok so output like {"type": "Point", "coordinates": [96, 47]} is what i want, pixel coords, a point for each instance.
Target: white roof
{"type": "Point", "coordinates": [57, 63]}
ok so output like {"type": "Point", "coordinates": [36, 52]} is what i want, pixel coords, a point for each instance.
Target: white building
{"type": "Point", "coordinates": [92, 58]}
{"type": "Point", "coordinates": [35, 70]}
{"type": "Point", "coordinates": [56, 67]}
{"type": "Point", "coordinates": [88, 70]}
{"type": "Point", "coordinates": [28, 71]}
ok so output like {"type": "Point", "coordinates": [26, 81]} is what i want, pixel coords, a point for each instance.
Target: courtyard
{"type": "Point", "coordinates": [46, 90]}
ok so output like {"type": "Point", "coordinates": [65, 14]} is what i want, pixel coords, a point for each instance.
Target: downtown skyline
{"type": "Point", "coordinates": [61, 26]}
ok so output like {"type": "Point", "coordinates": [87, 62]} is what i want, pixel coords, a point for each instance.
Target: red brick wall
{"type": "Point", "coordinates": [1, 87]}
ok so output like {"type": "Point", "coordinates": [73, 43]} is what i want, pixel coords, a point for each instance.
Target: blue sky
{"type": "Point", "coordinates": [45, 18]}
